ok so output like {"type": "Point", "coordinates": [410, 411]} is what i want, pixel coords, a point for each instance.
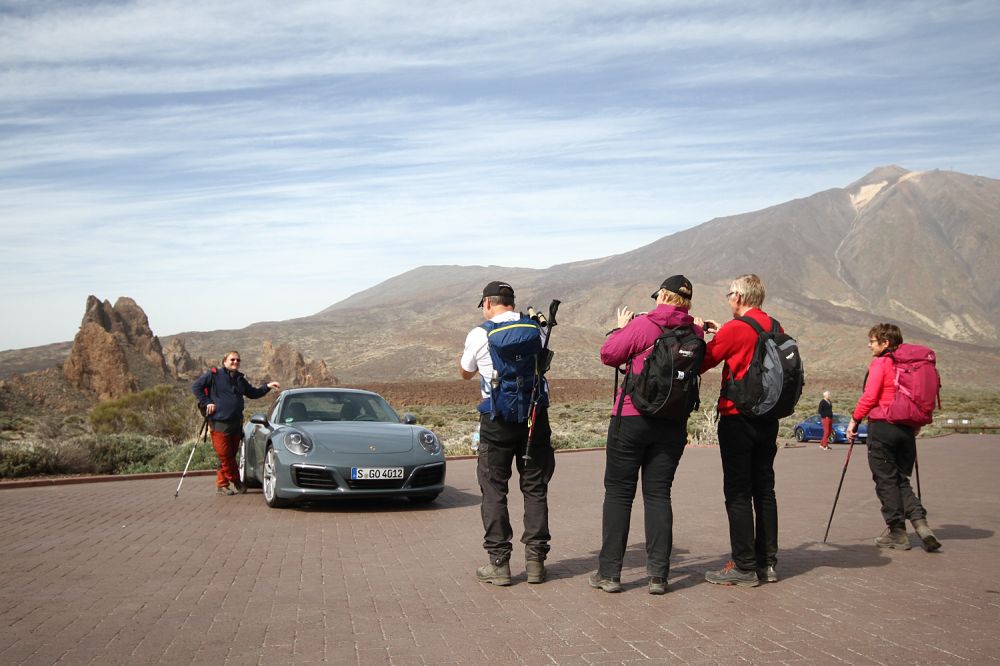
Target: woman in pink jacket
{"type": "Point", "coordinates": [892, 448]}
{"type": "Point", "coordinates": [641, 445]}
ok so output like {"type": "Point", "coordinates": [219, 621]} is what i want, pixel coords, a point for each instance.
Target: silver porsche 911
{"type": "Point", "coordinates": [333, 442]}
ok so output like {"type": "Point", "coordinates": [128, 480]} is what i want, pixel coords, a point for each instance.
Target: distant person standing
{"type": "Point", "coordinates": [747, 445]}
{"type": "Point", "coordinates": [640, 445]}
{"type": "Point", "coordinates": [507, 382]}
{"type": "Point", "coordinates": [220, 393]}
{"type": "Point", "coordinates": [826, 418]}
{"type": "Point", "coordinates": [892, 447]}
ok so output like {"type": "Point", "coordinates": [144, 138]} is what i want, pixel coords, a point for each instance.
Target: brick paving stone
{"type": "Point", "coordinates": [123, 573]}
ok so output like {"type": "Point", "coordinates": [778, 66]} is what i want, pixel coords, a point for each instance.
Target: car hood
{"type": "Point", "coordinates": [359, 436]}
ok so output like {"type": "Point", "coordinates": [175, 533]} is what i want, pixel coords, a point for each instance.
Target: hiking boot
{"type": "Point", "coordinates": [896, 538]}
{"type": "Point", "coordinates": [497, 573]}
{"type": "Point", "coordinates": [730, 575]}
{"type": "Point", "coordinates": [606, 583]}
{"type": "Point", "coordinates": [767, 574]}
{"type": "Point", "coordinates": [535, 570]}
{"type": "Point", "coordinates": [657, 585]}
{"type": "Point", "coordinates": [240, 487]}
{"type": "Point", "coordinates": [924, 532]}
{"type": "Point", "coordinates": [225, 490]}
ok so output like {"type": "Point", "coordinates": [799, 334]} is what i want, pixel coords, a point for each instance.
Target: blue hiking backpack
{"type": "Point", "coordinates": [516, 351]}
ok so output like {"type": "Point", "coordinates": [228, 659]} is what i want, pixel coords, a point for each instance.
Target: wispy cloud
{"type": "Point", "coordinates": [231, 150]}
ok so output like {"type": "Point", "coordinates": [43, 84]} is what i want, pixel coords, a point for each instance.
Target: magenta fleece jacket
{"type": "Point", "coordinates": [636, 340]}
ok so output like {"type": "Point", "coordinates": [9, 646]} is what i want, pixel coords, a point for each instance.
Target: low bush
{"type": "Point", "coordinates": [27, 459]}
{"type": "Point", "coordinates": [164, 411]}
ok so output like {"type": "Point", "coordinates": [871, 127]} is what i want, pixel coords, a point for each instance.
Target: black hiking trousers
{"type": "Point", "coordinates": [502, 444]}
{"type": "Point", "coordinates": [748, 447]}
{"type": "Point", "coordinates": [892, 452]}
{"type": "Point", "coordinates": [639, 446]}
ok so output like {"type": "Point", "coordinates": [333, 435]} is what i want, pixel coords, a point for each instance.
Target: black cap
{"type": "Point", "coordinates": [496, 288]}
{"type": "Point", "coordinates": [678, 284]}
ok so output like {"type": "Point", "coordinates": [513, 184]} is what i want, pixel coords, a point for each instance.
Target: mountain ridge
{"type": "Point", "coordinates": [833, 262]}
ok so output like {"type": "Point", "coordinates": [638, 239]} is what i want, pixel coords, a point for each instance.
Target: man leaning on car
{"type": "Point", "coordinates": [220, 393]}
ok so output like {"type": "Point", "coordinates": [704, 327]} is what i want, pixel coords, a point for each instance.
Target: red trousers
{"type": "Point", "coordinates": [827, 430]}
{"type": "Point", "coordinates": [226, 447]}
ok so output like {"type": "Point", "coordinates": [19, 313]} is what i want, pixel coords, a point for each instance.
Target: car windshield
{"type": "Point", "coordinates": [841, 419]}
{"type": "Point", "coordinates": [336, 406]}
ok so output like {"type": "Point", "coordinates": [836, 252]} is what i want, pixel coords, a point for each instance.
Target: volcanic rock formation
{"type": "Point", "coordinates": [115, 351]}
{"type": "Point", "coordinates": [285, 365]}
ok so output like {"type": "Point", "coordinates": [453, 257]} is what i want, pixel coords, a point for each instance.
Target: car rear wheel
{"type": "Point", "coordinates": [271, 480]}
{"type": "Point", "coordinates": [246, 476]}
{"type": "Point", "coordinates": [800, 435]}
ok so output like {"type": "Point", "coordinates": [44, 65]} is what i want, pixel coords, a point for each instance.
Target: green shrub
{"type": "Point", "coordinates": [27, 459]}
{"type": "Point", "coordinates": [114, 454]}
{"type": "Point", "coordinates": [164, 411]}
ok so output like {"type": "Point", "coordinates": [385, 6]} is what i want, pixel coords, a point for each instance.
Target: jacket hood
{"type": "Point", "coordinates": [669, 315]}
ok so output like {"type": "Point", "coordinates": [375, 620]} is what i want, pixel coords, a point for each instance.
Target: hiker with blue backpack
{"type": "Point", "coordinates": [761, 382]}
{"type": "Point", "coordinates": [509, 354]}
{"type": "Point", "coordinates": [661, 352]}
{"type": "Point", "coordinates": [901, 389]}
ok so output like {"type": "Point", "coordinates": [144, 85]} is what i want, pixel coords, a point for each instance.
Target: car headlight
{"type": "Point", "coordinates": [429, 441]}
{"type": "Point", "coordinates": [298, 442]}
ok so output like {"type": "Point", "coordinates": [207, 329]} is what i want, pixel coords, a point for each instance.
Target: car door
{"type": "Point", "coordinates": [257, 445]}
{"type": "Point", "coordinates": [814, 428]}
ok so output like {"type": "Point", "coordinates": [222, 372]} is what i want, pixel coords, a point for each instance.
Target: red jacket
{"type": "Point", "coordinates": [880, 389]}
{"type": "Point", "coordinates": [734, 343]}
{"type": "Point", "coordinates": [636, 340]}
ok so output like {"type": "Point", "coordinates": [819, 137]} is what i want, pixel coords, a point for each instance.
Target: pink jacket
{"type": "Point", "coordinates": [636, 340]}
{"type": "Point", "coordinates": [880, 389]}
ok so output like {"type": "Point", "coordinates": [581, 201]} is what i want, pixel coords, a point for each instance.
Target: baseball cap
{"type": "Point", "coordinates": [496, 288]}
{"type": "Point", "coordinates": [678, 284]}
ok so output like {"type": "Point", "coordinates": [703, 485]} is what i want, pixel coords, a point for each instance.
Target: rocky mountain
{"type": "Point", "coordinates": [895, 245]}
{"type": "Point", "coordinates": [114, 352]}
{"type": "Point", "coordinates": [287, 367]}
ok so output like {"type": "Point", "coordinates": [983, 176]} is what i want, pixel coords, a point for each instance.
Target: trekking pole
{"type": "Point", "coordinates": [916, 469]}
{"type": "Point", "coordinates": [839, 485]}
{"type": "Point", "coordinates": [202, 432]}
{"type": "Point", "coordinates": [536, 394]}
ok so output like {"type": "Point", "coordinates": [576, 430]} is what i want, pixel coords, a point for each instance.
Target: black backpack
{"type": "Point", "coordinates": [667, 387]}
{"type": "Point", "coordinates": [773, 383]}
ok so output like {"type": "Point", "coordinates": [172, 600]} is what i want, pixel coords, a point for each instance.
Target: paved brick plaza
{"type": "Point", "coordinates": [124, 573]}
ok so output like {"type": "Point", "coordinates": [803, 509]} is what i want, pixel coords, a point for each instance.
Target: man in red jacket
{"type": "Point", "coordinates": [747, 445]}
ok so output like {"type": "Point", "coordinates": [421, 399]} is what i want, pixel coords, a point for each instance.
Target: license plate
{"type": "Point", "coordinates": [376, 473]}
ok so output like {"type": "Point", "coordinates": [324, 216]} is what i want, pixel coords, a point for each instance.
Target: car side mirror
{"type": "Point", "coordinates": [260, 419]}
{"type": "Point", "coordinates": [409, 419]}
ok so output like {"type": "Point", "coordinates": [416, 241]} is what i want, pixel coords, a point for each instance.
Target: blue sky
{"type": "Point", "coordinates": [225, 162]}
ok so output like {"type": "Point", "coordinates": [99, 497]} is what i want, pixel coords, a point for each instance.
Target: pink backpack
{"type": "Point", "coordinates": [918, 386]}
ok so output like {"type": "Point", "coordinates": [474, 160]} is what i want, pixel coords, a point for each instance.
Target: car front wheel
{"type": "Point", "coordinates": [831, 438]}
{"type": "Point", "coordinates": [271, 480]}
{"type": "Point", "coordinates": [800, 435]}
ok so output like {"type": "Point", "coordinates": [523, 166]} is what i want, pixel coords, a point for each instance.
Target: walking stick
{"type": "Point", "coordinates": [916, 469]}
{"type": "Point", "coordinates": [537, 393]}
{"type": "Point", "coordinates": [202, 432]}
{"type": "Point", "coordinates": [839, 485]}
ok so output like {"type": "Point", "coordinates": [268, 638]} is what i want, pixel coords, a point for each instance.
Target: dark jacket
{"type": "Point", "coordinates": [826, 409]}
{"type": "Point", "coordinates": [226, 393]}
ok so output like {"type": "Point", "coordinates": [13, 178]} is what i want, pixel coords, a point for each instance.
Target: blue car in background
{"type": "Point", "coordinates": [812, 429]}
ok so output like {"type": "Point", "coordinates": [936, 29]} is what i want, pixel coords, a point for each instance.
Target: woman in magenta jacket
{"type": "Point", "coordinates": [643, 445]}
{"type": "Point", "coordinates": [892, 448]}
